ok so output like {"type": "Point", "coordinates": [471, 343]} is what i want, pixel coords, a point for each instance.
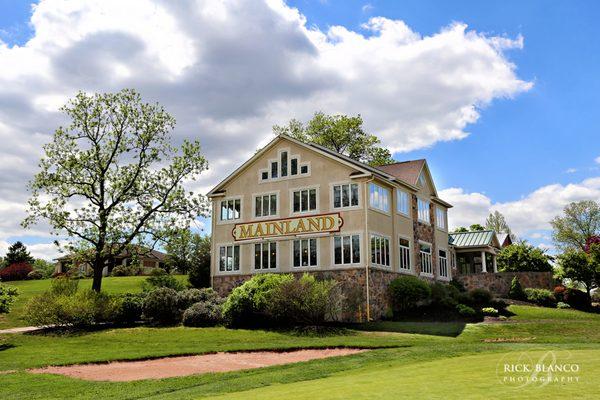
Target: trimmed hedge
{"type": "Point", "coordinates": [542, 297]}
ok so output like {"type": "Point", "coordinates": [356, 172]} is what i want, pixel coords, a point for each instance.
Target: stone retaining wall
{"type": "Point", "coordinates": [499, 282]}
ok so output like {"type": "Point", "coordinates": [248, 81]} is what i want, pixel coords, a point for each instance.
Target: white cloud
{"type": "Point", "coordinates": [571, 170]}
{"type": "Point", "coordinates": [531, 213]}
{"type": "Point", "coordinates": [367, 8]}
{"type": "Point", "coordinates": [229, 70]}
{"type": "Point", "coordinates": [597, 160]}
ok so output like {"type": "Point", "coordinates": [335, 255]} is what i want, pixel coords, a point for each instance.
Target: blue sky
{"type": "Point", "coordinates": [530, 149]}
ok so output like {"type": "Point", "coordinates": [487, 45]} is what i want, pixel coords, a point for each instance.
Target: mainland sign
{"type": "Point", "coordinates": [289, 226]}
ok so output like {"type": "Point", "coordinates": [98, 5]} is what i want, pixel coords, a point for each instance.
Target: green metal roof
{"type": "Point", "coordinates": [472, 239]}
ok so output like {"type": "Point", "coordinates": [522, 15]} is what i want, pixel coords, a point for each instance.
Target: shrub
{"type": "Point", "coordinates": [157, 272]}
{"type": "Point", "coordinates": [161, 281]}
{"type": "Point", "coordinates": [126, 270]}
{"type": "Point", "coordinates": [457, 285]}
{"type": "Point", "coordinates": [15, 272]}
{"type": "Point", "coordinates": [8, 295]}
{"type": "Point", "coordinates": [406, 291]}
{"type": "Point", "coordinates": [186, 298]}
{"type": "Point", "coordinates": [64, 286]}
{"type": "Point", "coordinates": [247, 304]}
{"type": "Point", "coordinates": [130, 308]}
{"type": "Point", "coordinates": [596, 296]}
{"type": "Point", "coordinates": [34, 275]}
{"type": "Point", "coordinates": [489, 311]}
{"type": "Point", "coordinates": [443, 296]}
{"type": "Point", "coordinates": [81, 309]}
{"type": "Point", "coordinates": [562, 304]}
{"type": "Point", "coordinates": [516, 290]}
{"type": "Point", "coordinates": [480, 296]}
{"type": "Point", "coordinates": [542, 297]}
{"type": "Point", "coordinates": [160, 306]}
{"type": "Point", "coordinates": [559, 293]}
{"type": "Point", "coordinates": [577, 299]}
{"type": "Point", "coordinates": [204, 313]}
{"type": "Point", "coordinates": [465, 311]}
{"type": "Point", "coordinates": [304, 301]}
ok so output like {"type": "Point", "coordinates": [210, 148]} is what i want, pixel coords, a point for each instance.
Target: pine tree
{"type": "Point", "coordinates": [17, 253]}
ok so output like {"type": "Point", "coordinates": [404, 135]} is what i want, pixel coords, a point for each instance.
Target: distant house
{"type": "Point", "coordinates": [505, 239]}
{"type": "Point", "coordinates": [148, 259]}
{"type": "Point", "coordinates": [475, 251]}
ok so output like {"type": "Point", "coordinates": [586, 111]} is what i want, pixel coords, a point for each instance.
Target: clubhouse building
{"type": "Point", "coordinates": [296, 207]}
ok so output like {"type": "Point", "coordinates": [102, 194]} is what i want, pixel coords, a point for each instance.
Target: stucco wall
{"type": "Point", "coordinates": [499, 282]}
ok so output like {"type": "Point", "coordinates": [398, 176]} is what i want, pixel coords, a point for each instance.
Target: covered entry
{"type": "Point", "coordinates": [475, 251]}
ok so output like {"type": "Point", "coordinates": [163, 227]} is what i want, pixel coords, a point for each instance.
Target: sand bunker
{"type": "Point", "coordinates": [169, 367]}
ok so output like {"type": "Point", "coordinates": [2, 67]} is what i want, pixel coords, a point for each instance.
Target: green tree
{"type": "Point", "coordinates": [581, 267]}
{"type": "Point", "coordinates": [112, 178]}
{"type": "Point", "coordinates": [189, 252]}
{"type": "Point", "coordinates": [496, 222]}
{"type": "Point", "coordinates": [199, 272]}
{"type": "Point", "coordinates": [17, 253]}
{"type": "Point", "coordinates": [461, 229]}
{"type": "Point", "coordinates": [523, 257]}
{"type": "Point", "coordinates": [341, 133]}
{"type": "Point", "coordinates": [45, 267]}
{"type": "Point", "coordinates": [580, 221]}
{"type": "Point", "coordinates": [476, 227]}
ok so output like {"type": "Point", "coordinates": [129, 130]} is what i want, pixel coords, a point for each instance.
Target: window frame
{"type": "Point", "coordinates": [389, 197]}
{"type": "Point", "coordinates": [360, 249]}
{"type": "Point", "coordinates": [305, 267]}
{"type": "Point", "coordinates": [410, 251]}
{"type": "Point", "coordinates": [408, 202]}
{"type": "Point", "coordinates": [277, 256]}
{"type": "Point", "coordinates": [428, 202]}
{"type": "Point", "coordinates": [373, 235]}
{"type": "Point", "coordinates": [349, 207]}
{"type": "Point", "coordinates": [218, 258]}
{"type": "Point", "coordinates": [277, 204]}
{"type": "Point", "coordinates": [439, 262]}
{"type": "Point", "coordinates": [431, 266]}
{"type": "Point", "coordinates": [443, 211]}
{"type": "Point", "coordinates": [308, 211]}
{"type": "Point", "coordinates": [233, 220]}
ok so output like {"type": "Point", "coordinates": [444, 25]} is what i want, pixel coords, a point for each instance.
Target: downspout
{"type": "Point", "coordinates": [213, 257]}
{"type": "Point", "coordinates": [367, 244]}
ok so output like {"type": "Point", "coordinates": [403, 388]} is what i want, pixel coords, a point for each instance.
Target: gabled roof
{"type": "Point", "coordinates": [334, 155]}
{"type": "Point", "coordinates": [408, 171]}
{"type": "Point", "coordinates": [473, 239]}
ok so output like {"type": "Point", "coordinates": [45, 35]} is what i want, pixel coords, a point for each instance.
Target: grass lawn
{"type": "Point", "coordinates": [446, 361]}
{"type": "Point", "coordinates": [31, 288]}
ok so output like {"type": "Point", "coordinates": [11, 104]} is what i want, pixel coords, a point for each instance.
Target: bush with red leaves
{"type": "Point", "coordinates": [15, 272]}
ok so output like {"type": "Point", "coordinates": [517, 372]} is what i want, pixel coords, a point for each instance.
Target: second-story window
{"type": "Point", "coordinates": [231, 209]}
{"type": "Point", "coordinates": [274, 169]}
{"type": "Point", "coordinates": [379, 197]}
{"type": "Point", "coordinates": [403, 202]}
{"type": "Point", "coordinates": [304, 200]}
{"type": "Point", "coordinates": [284, 164]}
{"type": "Point", "coordinates": [423, 207]}
{"type": "Point", "coordinates": [345, 195]}
{"type": "Point", "coordinates": [440, 218]}
{"type": "Point", "coordinates": [265, 205]}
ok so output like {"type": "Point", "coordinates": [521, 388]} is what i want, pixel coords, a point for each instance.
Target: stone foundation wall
{"type": "Point", "coordinates": [352, 281]}
{"type": "Point", "coordinates": [499, 283]}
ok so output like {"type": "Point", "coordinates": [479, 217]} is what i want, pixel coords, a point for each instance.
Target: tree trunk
{"type": "Point", "coordinates": [97, 282]}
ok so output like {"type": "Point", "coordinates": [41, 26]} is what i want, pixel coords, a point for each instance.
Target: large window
{"type": "Point", "coordinates": [379, 197]}
{"type": "Point", "coordinates": [443, 263]}
{"type": "Point", "coordinates": [403, 202]}
{"type": "Point", "coordinates": [346, 249]}
{"type": "Point", "coordinates": [404, 252]}
{"type": "Point", "coordinates": [229, 259]}
{"type": "Point", "coordinates": [345, 195]}
{"type": "Point", "coordinates": [423, 207]}
{"type": "Point", "coordinates": [425, 250]}
{"type": "Point", "coordinates": [231, 209]}
{"type": "Point", "coordinates": [440, 218]}
{"type": "Point", "coordinates": [265, 205]}
{"type": "Point", "coordinates": [274, 169]}
{"type": "Point", "coordinates": [304, 200]}
{"type": "Point", "coordinates": [380, 250]}
{"type": "Point", "coordinates": [265, 255]}
{"type": "Point", "coordinates": [305, 253]}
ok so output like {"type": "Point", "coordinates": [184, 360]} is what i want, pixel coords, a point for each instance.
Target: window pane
{"type": "Point", "coordinates": [236, 258]}
{"type": "Point", "coordinates": [230, 209]}
{"type": "Point", "coordinates": [347, 255]}
{"type": "Point", "coordinates": [313, 252]}
{"type": "Point", "coordinates": [223, 210]}
{"type": "Point", "coordinates": [304, 169]}
{"type": "Point", "coordinates": [237, 206]}
{"type": "Point", "coordinates": [337, 246]}
{"type": "Point", "coordinates": [345, 196]}
{"type": "Point", "coordinates": [273, 204]}
{"type": "Point", "coordinates": [355, 249]}
{"type": "Point", "coordinates": [258, 206]}
{"type": "Point", "coordinates": [229, 258]}
{"type": "Point", "coordinates": [354, 194]}
{"type": "Point", "coordinates": [265, 206]}
{"type": "Point", "coordinates": [337, 196]}
{"type": "Point", "coordinates": [304, 252]}
{"type": "Point", "coordinates": [404, 242]}
{"type": "Point", "coordinates": [296, 201]}
{"type": "Point", "coordinates": [257, 256]}
{"type": "Point", "coordinates": [387, 251]}
{"type": "Point", "coordinates": [265, 255]}
{"type": "Point", "coordinates": [442, 253]}
{"type": "Point", "coordinates": [373, 250]}
{"type": "Point", "coordinates": [296, 252]}
{"type": "Point", "coordinates": [284, 157]}
{"type": "Point", "coordinates": [274, 171]}
{"type": "Point", "coordinates": [304, 200]}
{"type": "Point", "coordinates": [294, 166]}
{"type": "Point", "coordinates": [222, 259]}
{"type": "Point", "coordinates": [273, 255]}
{"type": "Point", "coordinates": [312, 199]}
{"type": "Point", "coordinates": [265, 175]}
{"type": "Point", "coordinates": [372, 195]}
